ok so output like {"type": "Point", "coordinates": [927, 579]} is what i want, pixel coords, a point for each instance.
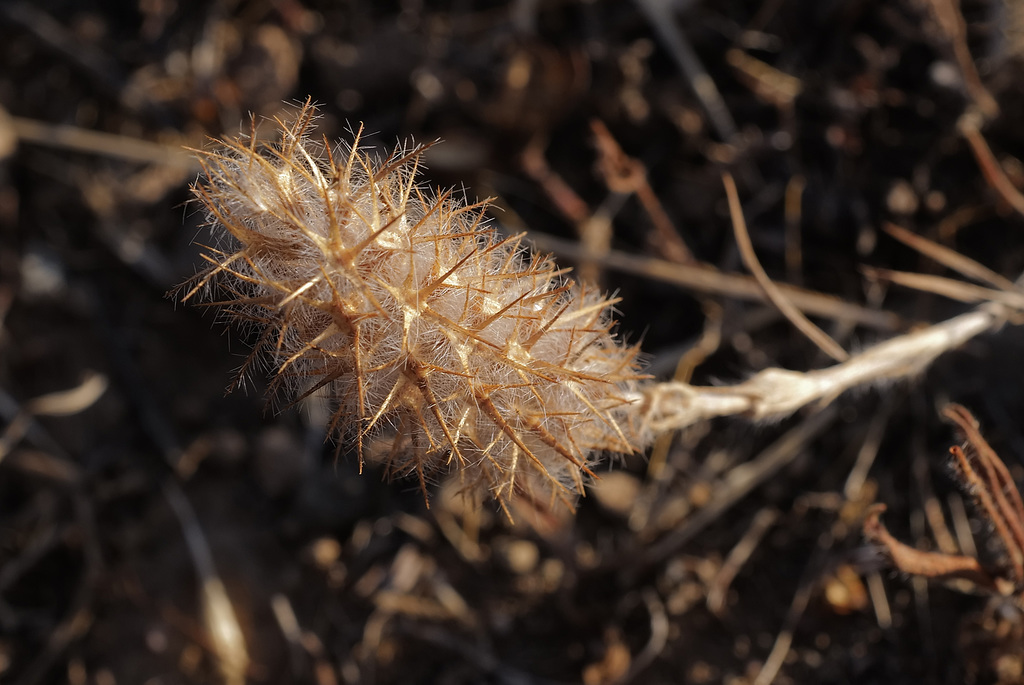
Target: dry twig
{"type": "Point", "coordinates": [796, 317]}
{"type": "Point", "coordinates": [951, 22]}
{"type": "Point", "coordinates": [626, 176]}
{"type": "Point", "coordinates": [703, 279]}
{"type": "Point", "coordinates": [991, 169]}
{"type": "Point", "coordinates": [801, 598]}
{"type": "Point", "coordinates": [100, 143]}
{"type": "Point", "coordinates": [225, 633]}
{"type": "Point", "coordinates": [739, 555]}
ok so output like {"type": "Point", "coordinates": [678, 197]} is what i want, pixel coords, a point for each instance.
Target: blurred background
{"type": "Point", "coordinates": [155, 530]}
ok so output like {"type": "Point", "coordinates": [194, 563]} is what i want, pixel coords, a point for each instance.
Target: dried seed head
{"type": "Point", "coordinates": [414, 318]}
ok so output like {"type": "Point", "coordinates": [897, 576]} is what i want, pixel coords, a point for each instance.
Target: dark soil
{"type": "Point", "coordinates": [97, 584]}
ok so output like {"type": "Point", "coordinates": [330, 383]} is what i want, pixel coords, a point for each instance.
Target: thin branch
{"type": "Point", "coordinates": [795, 316]}
{"type": "Point", "coordinates": [951, 22]}
{"type": "Point", "coordinates": [625, 175]}
{"type": "Point", "coordinates": [704, 279]}
{"type": "Point", "coordinates": [101, 143]}
{"type": "Point", "coordinates": [659, 14]}
{"type": "Point", "coordinates": [990, 167]}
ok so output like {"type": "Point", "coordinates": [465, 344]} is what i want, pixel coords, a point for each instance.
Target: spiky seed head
{"type": "Point", "coordinates": [475, 356]}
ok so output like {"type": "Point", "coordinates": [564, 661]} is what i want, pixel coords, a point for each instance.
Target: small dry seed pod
{"type": "Point", "coordinates": [474, 356]}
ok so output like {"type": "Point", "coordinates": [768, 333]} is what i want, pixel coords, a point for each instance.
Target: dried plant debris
{"type": "Point", "coordinates": [414, 318]}
{"type": "Point", "coordinates": [984, 476]}
{"type": "Point", "coordinates": [991, 640]}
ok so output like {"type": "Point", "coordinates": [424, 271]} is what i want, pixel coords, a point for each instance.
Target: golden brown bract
{"type": "Point", "coordinates": [414, 318]}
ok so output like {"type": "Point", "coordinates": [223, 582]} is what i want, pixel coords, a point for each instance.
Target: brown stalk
{"type": "Point", "coordinates": [625, 175]}
{"type": "Point", "coordinates": [990, 167]}
{"type": "Point", "coordinates": [920, 563]}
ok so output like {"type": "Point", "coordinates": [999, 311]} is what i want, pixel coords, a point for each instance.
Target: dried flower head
{"type": "Point", "coordinates": [414, 318]}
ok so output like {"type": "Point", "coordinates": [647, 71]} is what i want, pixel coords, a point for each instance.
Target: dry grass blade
{"type": "Point", "coordinates": [61, 403]}
{"type": "Point", "coordinates": [796, 317]}
{"type": "Point", "coordinates": [100, 143]}
{"type": "Point", "coordinates": [660, 628]}
{"type": "Point", "coordinates": [739, 555]}
{"type": "Point", "coordinates": [739, 484]}
{"type": "Point", "coordinates": [704, 279]}
{"type": "Point", "coordinates": [771, 85]}
{"type": "Point", "coordinates": [991, 169]}
{"type": "Point", "coordinates": [948, 258]}
{"type": "Point", "coordinates": [797, 607]}
{"type": "Point", "coordinates": [50, 461]}
{"type": "Point", "coordinates": [72, 401]}
{"type": "Point", "coordinates": [793, 210]}
{"type": "Point", "coordinates": [223, 629]}
{"type": "Point", "coordinates": [950, 19]}
{"type": "Point", "coordinates": [948, 287]}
